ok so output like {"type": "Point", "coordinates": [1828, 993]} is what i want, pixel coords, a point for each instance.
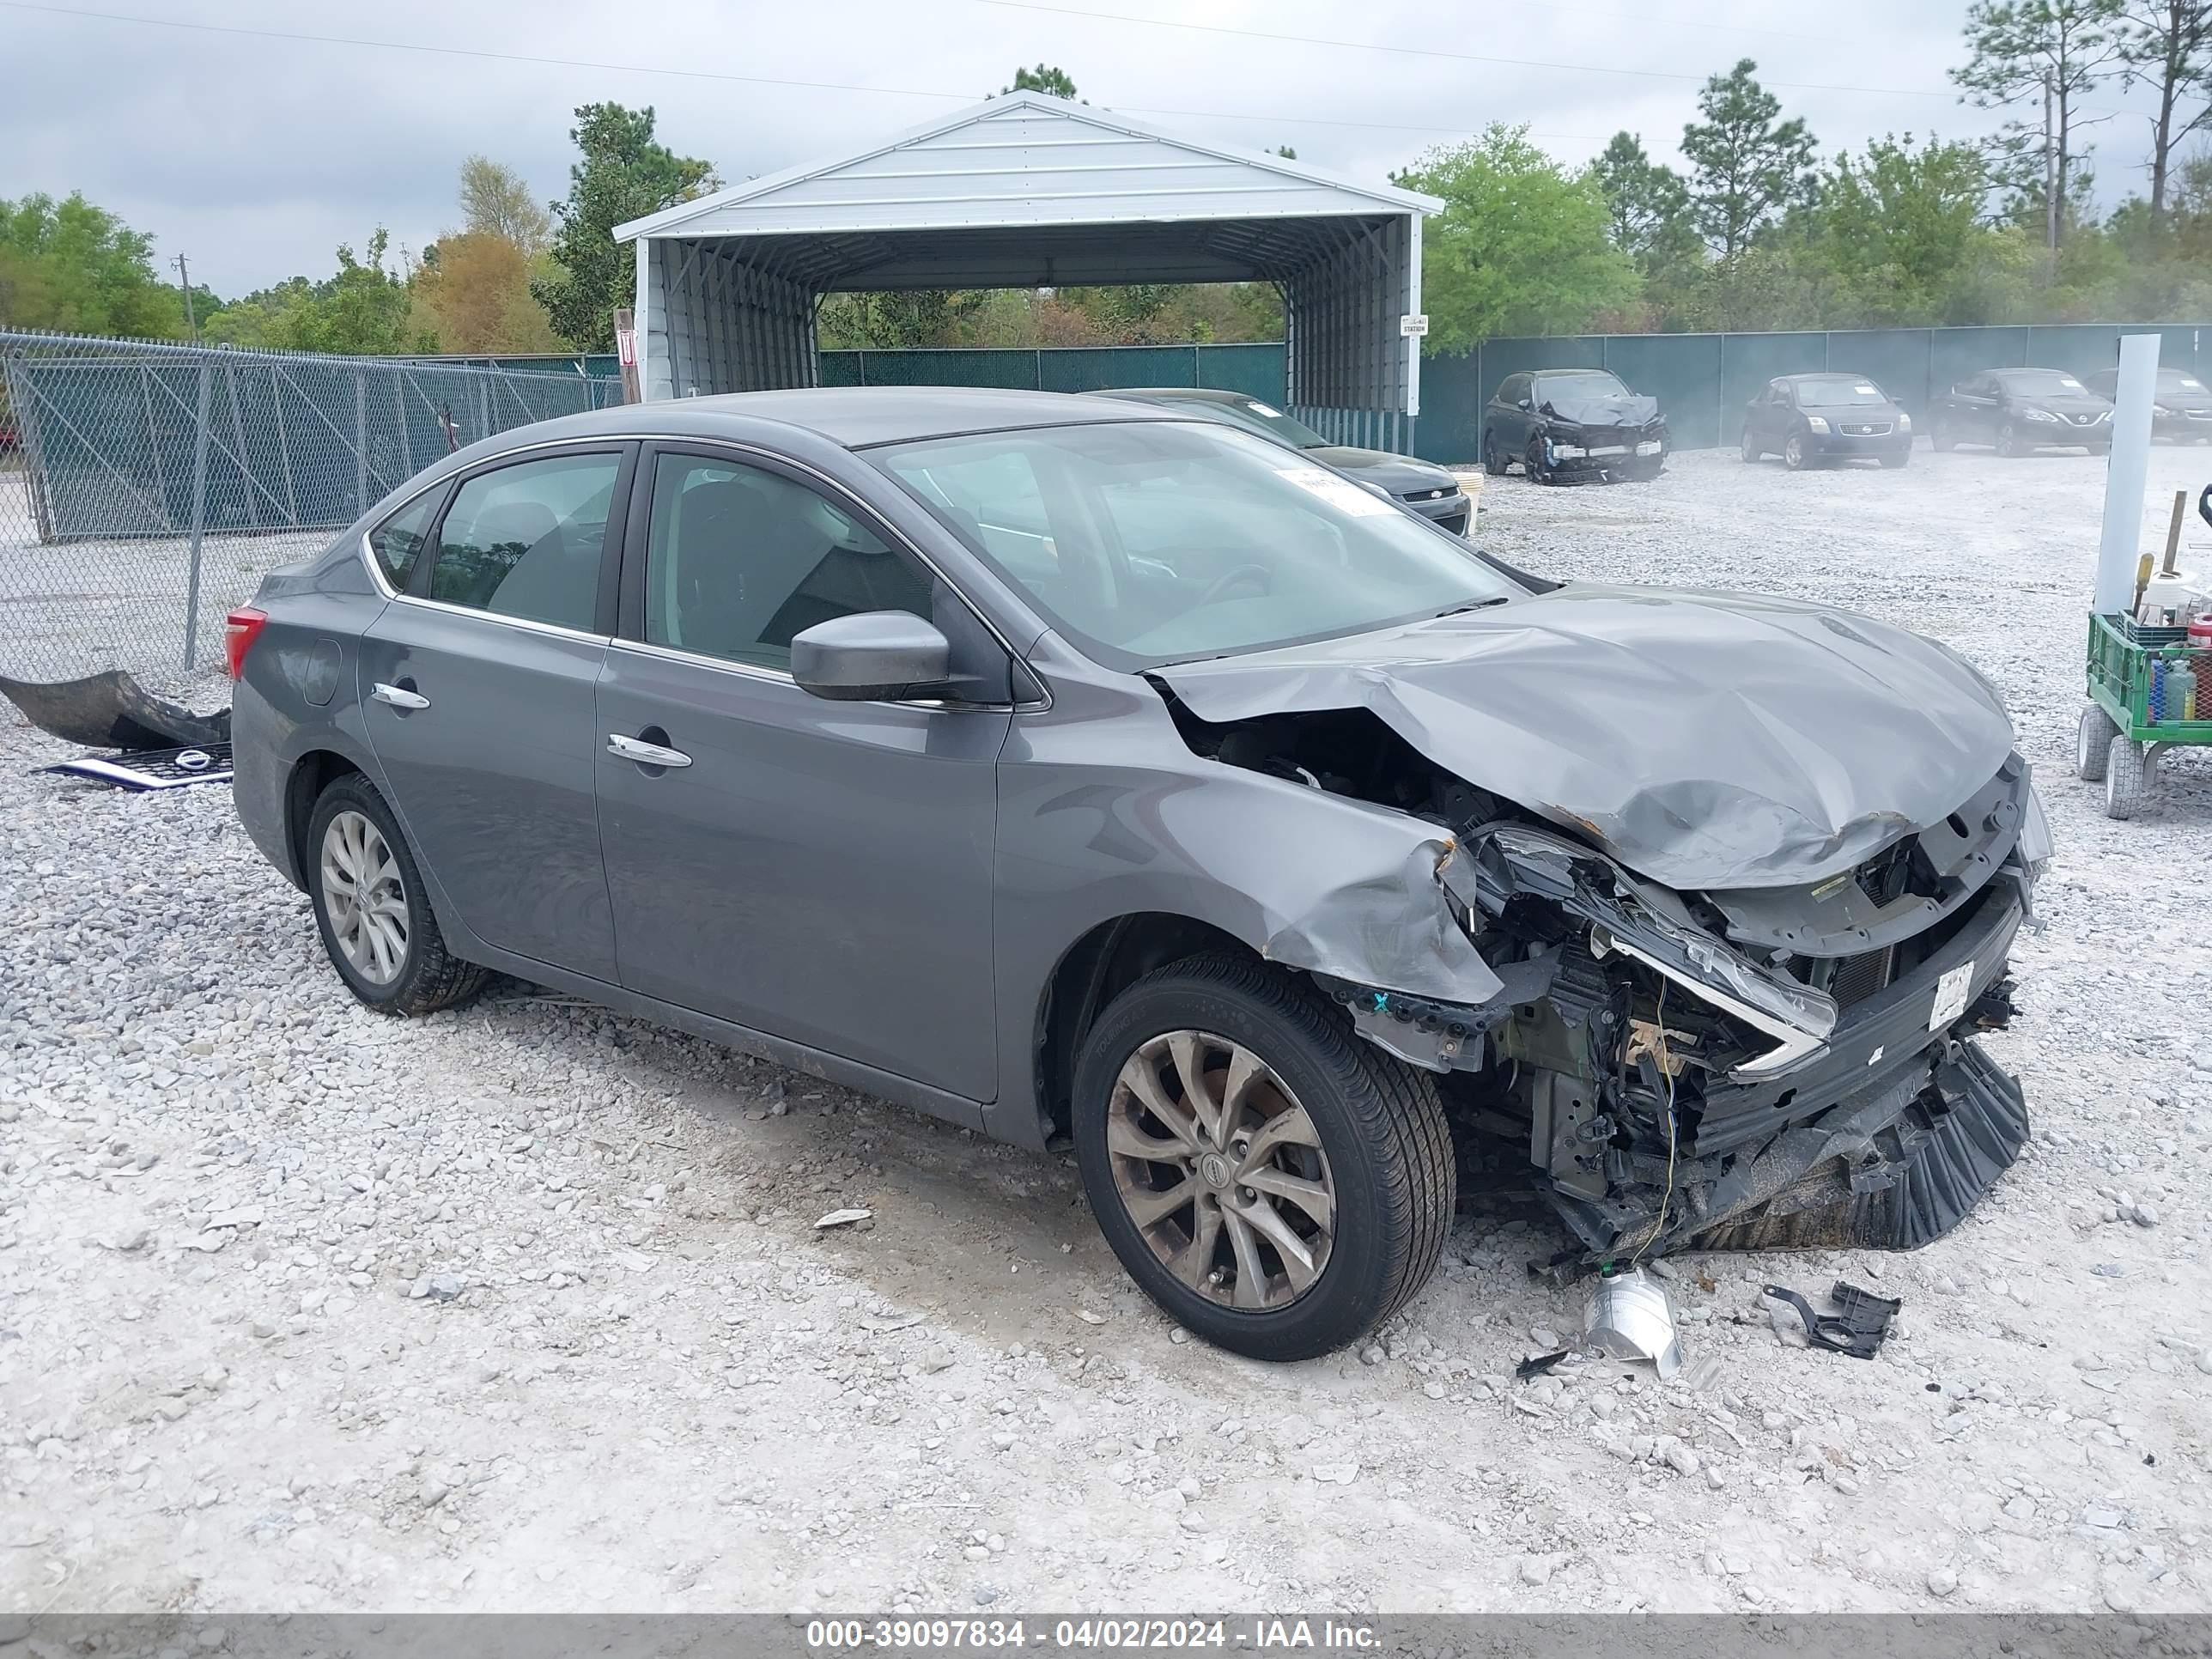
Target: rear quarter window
{"type": "Point", "coordinates": [398, 543]}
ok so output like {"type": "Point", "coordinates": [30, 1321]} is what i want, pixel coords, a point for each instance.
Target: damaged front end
{"type": "Point", "coordinates": [1762, 1069]}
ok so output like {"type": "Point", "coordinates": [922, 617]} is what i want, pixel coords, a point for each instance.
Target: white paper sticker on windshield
{"type": "Point", "coordinates": [1864, 390]}
{"type": "Point", "coordinates": [2071, 384]}
{"type": "Point", "coordinates": [1258, 408]}
{"type": "Point", "coordinates": [1340, 493]}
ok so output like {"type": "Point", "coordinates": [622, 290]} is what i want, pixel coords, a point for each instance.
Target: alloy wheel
{"type": "Point", "coordinates": [1221, 1171]}
{"type": "Point", "coordinates": [365, 897]}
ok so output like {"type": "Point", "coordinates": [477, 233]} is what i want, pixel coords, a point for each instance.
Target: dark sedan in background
{"type": "Point", "coordinates": [1423, 488]}
{"type": "Point", "coordinates": [1572, 426]}
{"type": "Point", "coordinates": [2019, 410]}
{"type": "Point", "coordinates": [2181, 404]}
{"type": "Point", "coordinates": [1809, 418]}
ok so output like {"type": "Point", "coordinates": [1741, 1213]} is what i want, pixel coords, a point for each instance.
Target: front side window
{"type": "Point", "coordinates": [1158, 542]}
{"type": "Point", "coordinates": [526, 540]}
{"type": "Point", "coordinates": [738, 559]}
{"type": "Point", "coordinates": [398, 542]}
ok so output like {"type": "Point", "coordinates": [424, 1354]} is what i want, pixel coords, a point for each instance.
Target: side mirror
{"type": "Point", "coordinates": [873, 656]}
{"type": "Point", "coordinates": [1522, 404]}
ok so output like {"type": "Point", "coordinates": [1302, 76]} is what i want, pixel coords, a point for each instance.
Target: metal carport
{"type": "Point", "coordinates": [1032, 191]}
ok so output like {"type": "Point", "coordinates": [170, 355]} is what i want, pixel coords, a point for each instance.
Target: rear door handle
{"type": "Point", "coordinates": [644, 753]}
{"type": "Point", "coordinates": [398, 696]}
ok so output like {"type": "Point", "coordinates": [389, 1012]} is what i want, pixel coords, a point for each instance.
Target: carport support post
{"type": "Point", "coordinates": [199, 522]}
{"type": "Point", "coordinates": [2127, 472]}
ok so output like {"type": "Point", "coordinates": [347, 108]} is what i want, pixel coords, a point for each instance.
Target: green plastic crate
{"type": "Point", "coordinates": [2120, 656]}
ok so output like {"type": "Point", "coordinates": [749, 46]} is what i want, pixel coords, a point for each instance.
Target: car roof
{"type": "Point", "coordinates": [1187, 394]}
{"type": "Point", "coordinates": [1826, 374]}
{"type": "Point", "coordinates": [1572, 368]}
{"type": "Point", "coordinates": [856, 417]}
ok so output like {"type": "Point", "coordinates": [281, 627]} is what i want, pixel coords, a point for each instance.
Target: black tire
{"type": "Point", "coordinates": [1940, 439]}
{"type": "Point", "coordinates": [1379, 1121]}
{"type": "Point", "coordinates": [2008, 441]}
{"type": "Point", "coordinates": [430, 976]}
{"type": "Point", "coordinates": [1795, 455]}
{"type": "Point", "coordinates": [1897, 457]}
{"type": "Point", "coordinates": [1493, 461]}
{"type": "Point", "coordinates": [1752, 453]}
{"type": "Point", "coordinates": [2130, 778]}
{"type": "Point", "coordinates": [1533, 463]}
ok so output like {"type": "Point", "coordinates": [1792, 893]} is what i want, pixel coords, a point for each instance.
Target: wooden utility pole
{"type": "Point", "coordinates": [184, 278]}
{"type": "Point", "coordinates": [626, 353]}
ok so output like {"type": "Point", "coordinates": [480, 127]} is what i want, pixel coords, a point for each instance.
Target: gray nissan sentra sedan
{"type": "Point", "coordinates": [1065, 767]}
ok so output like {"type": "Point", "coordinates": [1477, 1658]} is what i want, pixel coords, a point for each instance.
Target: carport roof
{"type": "Point", "coordinates": [1028, 189]}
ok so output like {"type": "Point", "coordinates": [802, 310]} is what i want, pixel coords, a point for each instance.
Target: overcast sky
{"type": "Point", "coordinates": [256, 155]}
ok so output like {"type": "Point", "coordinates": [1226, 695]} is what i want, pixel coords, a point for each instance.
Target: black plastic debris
{"type": "Point", "coordinates": [1856, 1328]}
{"type": "Point", "coordinates": [113, 711]}
{"type": "Point", "coordinates": [153, 769]}
{"type": "Point", "coordinates": [1537, 1364]}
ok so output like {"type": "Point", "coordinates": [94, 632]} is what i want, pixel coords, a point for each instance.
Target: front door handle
{"type": "Point", "coordinates": [644, 753]}
{"type": "Point", "coordinates": [399, 696]}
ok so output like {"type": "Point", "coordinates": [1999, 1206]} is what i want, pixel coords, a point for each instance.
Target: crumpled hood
{"type": "Point", "coordinates": [1631, 411]}
{"type": "Point", "coordinates": [1399, 474]}
{"type": "Point", "coordinates": [1704, 739]}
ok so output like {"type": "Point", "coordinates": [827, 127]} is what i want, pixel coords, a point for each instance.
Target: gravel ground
{"type": "Point", "coordinates": [523, 1306]}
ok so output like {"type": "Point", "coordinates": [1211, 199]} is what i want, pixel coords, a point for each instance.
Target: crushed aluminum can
{"type": "Point", "coordinates": [1629, 1317]}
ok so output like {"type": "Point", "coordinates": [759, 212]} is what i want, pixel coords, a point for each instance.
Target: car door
{"type": "Point", "coordinates": [1507, 419]}
{"type": "Point", "coordinates": [817, 870]}
{"type": "Point", "coordinates": [477, 687]}
{"type": "Point", "coordinates": [1770, 416]}
{"type": "Point", "coordinates": [1975, 402]}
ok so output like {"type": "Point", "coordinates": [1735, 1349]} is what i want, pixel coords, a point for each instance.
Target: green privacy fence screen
{"type": "Point", "coordinates": [1256, 370]}
{"type": "Point", "coordinates": [1703, 381]}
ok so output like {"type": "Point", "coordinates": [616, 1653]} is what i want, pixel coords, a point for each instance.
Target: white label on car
{"type": "Point", "coordinates": [1648, 447]}
{"type": "Point", "coordinates": [1340, 493]}
{"type": "Point", "coordinates": [1258, 408]}
{"type": "Point", "coordinates": [1951, 996]}
{"type": "Point", "coordinates": [2071, 384]}
{"type": "Point", "coordinates": [1866, 390]}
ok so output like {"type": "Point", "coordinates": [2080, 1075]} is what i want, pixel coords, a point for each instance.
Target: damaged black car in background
{"type": "Point", "coordinates": [1572, 426]}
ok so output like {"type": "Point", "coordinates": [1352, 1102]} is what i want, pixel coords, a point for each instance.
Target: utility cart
{"type": "Point", "coordinates": [2137, 675]}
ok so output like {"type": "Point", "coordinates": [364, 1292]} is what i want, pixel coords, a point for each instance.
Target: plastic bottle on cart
{"type": "Point", "coordinates": [2181, 692]}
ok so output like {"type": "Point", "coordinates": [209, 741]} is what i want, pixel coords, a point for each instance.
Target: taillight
{"type": "Point", "coordinates": [240, 629]}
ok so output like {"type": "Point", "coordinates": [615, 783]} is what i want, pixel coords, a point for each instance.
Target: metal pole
{"type": "Point", "coordinates": [360, 440]}
{"type": "Point", "coordinates": [2125, 474]}
{"type": "Point", "coordinates": [199, 521]}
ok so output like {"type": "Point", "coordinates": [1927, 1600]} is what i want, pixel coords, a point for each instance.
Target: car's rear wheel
{"type": "Point", "coordinates": [1751, 452]}
{"type": "Point", "coordinates": [1940, 438]}
{"type": "Point", "coordinates": [370, 908]}
{"type": "Point", "coordinates": [1493, 457]}
{"type": "Point", "coordinates": [1271, 1182]}
{"type": "Point", "coordinates": [1794, 455]}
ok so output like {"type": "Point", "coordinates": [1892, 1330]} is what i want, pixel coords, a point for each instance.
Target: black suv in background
{"type": "Point", "coordinates": [2019, 410]}
{"type": "Point", "coordinates": [2181, 404]}
{"type": "Point", "coordinates": [1572, 426]}
{"type": "Point", "coordinates": [1805, 418]}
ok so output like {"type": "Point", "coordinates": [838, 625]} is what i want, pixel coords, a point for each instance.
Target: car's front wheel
{"type": "Point", "coordinates": [1271, 1181]}
{"type": "Point", "coordinates": [1533, 462]}
{"type": "Point", "coordinates": [1794, 455]}
{"type": "Point", "coordinates": [2008, 442]}
{"type": "Point", "coordinates": [370, 908]}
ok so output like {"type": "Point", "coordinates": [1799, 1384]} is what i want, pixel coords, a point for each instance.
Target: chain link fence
{"type": "Point", "coordinates": [144, 488]}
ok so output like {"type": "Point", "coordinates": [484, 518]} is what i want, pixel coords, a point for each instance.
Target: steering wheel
{"type": "Point", "coordinates": [1229, 579]}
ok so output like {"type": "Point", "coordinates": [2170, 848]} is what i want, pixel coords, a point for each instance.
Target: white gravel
{"type": "Point", "coordinates": [525, 1307]}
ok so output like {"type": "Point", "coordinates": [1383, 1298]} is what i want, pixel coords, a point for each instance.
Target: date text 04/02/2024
{"type": "Point", "coordinates": [1086, 1634]}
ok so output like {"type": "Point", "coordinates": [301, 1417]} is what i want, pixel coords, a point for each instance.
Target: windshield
{"type": "Point", "coordinates": [1838, 394]}
{"type": "Point", "coordinates": [1156, 542]}
{"type": "Point", "coordinates": [1597, 383]}
{"type": "Point", "coordinates": [1262, 417]}
{"type": "Point", "coordinates": [2042, 382]}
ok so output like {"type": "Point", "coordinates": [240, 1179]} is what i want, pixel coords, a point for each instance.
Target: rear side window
{"type": "Point", "coordinates": [526, 540]}
{"type": "Point", "coordinates": [397, 542]}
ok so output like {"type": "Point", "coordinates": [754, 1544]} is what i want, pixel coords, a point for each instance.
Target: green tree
{"type": "Point", "coordinates": [624, 174]}
{"type": "Point", "coordinates": [2167, 45]}
{"type": "Point", "coordinates": [1747, 166]}
{"type": "Point", "coordinates": [1900, 221]}
{"type": "Point", "coordinates": [1048, 78]}
{"type": "Point", "coordinates": [364, 310]}
{"type": "Point", "coordinates": [1521, 246]}
{"type": "Point", "coordinates": [2054, 51]}
{"type": "Point", "coordinates": [1647, 207]}
{"type": "Point", "coordinates": [76, 267]}
{"type": "Point", "coordinates": [495, 201]}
